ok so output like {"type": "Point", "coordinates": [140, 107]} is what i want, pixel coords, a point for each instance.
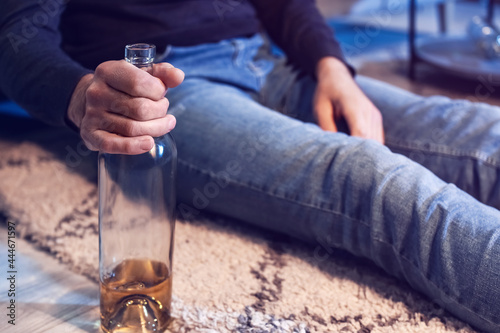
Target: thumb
{"type": "Point", "coordinates": [170, 76]}
{"type": "Point", "coordinates": [323, 110]}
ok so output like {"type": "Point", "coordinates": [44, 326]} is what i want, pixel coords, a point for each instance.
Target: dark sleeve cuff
{"type": "Point", "coordinates": [319, 48]}
{"type": "Point", "coordinates": [59, 91]}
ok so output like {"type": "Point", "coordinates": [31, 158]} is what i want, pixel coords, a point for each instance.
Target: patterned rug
{"type": "Point", "coordinates": [228, 276]}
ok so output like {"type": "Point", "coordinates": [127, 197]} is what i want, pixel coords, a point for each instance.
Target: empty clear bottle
{"type": "Point", "coordinates": [136, 229]}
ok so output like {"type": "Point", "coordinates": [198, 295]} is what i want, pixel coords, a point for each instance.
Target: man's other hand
{"type": "Point", "coordinates": [338, 96]}
{"type": "Point", "coordinates": [120, 108]}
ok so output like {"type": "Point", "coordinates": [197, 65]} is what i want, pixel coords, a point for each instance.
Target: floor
{"type": "Point", "coordinates": [48, 298]}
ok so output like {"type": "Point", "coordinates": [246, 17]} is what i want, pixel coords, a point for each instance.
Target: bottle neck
{"type": "Point", "coordinates": [148, 67]}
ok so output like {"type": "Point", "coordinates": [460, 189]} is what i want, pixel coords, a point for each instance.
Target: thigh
{"type": "Point", "coordinates": [456, 139]}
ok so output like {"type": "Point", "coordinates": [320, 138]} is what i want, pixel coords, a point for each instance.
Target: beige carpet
{"type": "Point", "coordinates": [228, 277]}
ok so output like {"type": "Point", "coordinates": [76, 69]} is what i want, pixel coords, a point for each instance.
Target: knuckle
{"type": "Point", "coordinates": [93, 94]}
{"type": "Point", "coordinates": [155, 87]}
{"type": "Point", "coordinates": [102, 69]}
{"type": "Point", "coordinates": [87, 142]}
{"type": "Point", "coordinates": [90, 113]}
{"type": "Point", "coordinates": [130, 128]}
{"type": "Point", "coordinates": [106, 145]}
{"type": "Point", "coordinates": [92, 141]}
{"type": "Point", "coordinates": [128, 147]}
{"type": "Point", "coordinates": [99, 71]}
{"type": "Point", "coordinates": [86, 138]}
{"type": "Point", "coordinates": [363, 133]}
{"type": "Point", "coordinates": [90, 146]}
{"type": "Point", "coordinates": [160, 109]}
{"type": "Point", "coordinates": [141, 110]}
{"type": "Point", "coordinates": [121, 107]}
{"type": "Point", "coordinates": [360, 131]}
{"type": "Point", "coordinates": [137, 82]}
{"type": "Point", "coordinates": [157, 90]}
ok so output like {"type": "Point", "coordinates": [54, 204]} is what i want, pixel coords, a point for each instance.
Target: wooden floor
{"type": "Point", "coordinates": [48, 297]}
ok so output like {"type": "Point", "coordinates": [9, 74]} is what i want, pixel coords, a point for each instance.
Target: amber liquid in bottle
{"type": "Point", "coordinates": [130, 296]}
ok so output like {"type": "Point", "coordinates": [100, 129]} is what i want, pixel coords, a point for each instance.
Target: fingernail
{"type": "Point", "coordinates": [145, 144]}
{"type": "Point", "coordinates": [171, 123]}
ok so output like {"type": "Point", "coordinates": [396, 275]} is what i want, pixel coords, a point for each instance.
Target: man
{"type": "Point", "coordinates": [248, 146]}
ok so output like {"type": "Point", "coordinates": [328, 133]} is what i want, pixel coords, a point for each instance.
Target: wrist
{"type": "Point", "coordinates": [76, 108]}
{"type": "Point", "coordinates": [331, 66]}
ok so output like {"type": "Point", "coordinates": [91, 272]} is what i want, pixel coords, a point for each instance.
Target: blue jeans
{"type": "Point", "coordinates": [424, 207]}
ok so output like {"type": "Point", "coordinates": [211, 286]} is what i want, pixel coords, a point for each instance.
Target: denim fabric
{"type": "Point", "coordinates": [248, 149]}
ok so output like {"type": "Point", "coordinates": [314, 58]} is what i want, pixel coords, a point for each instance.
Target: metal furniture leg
{"type": "Point", "coordinates": [490, 12]}
{"type": "Point", "coordinates": [411, 39]}
{"type": "Point", "coordinates": [442, 17]}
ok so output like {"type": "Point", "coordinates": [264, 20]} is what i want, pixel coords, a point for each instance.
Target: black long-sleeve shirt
{"type": "Point", "coordinates": [46, 46]}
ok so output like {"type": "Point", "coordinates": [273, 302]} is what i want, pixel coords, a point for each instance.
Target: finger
{"type": "Point", "coordinates": [103, 97]}
{"type": "Point", "coordinates": [380, 134]}
{"type": "Point", "coordinates": [377, 125]}
{"type": "Point", "coordinates": [324, 114]}
{"type": "Point", "coordinates": [168, 74]}
{"type": "Point", "coordinates": [112, 143]}
{"type": "Point", "coordinates": [132, 128]}
{"type": "Point", "coordinates": [368, 127]}
{"type": "Point", "coordinates": [363, 130]}
{"type": "Point", "coordinates": [131, 80]}
{"type": "Point", "coordinates": [141, 109]}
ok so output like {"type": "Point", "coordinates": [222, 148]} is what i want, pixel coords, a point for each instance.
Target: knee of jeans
{"type": "Point", "coordinates": [366, 157]}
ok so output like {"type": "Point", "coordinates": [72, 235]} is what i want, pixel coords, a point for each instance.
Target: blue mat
{"type": "Point", "coordinates": [12, 109]}
{"type": "Point", "coordinates": [358, 39]}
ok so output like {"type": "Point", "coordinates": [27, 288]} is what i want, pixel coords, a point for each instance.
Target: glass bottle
{"type": "Point", "coordinates": [136, 229]}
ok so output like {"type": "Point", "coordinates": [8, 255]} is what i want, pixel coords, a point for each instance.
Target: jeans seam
{"type": "Point", "coordinates": [445, 151]}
